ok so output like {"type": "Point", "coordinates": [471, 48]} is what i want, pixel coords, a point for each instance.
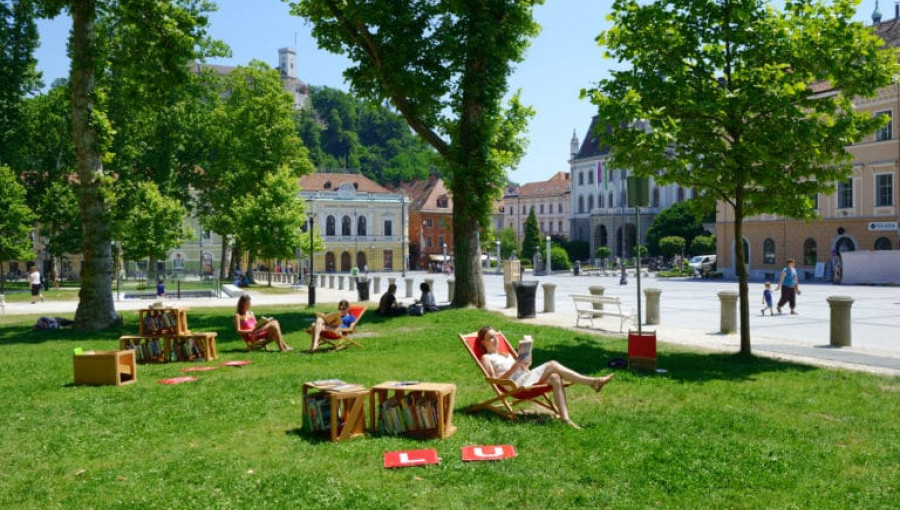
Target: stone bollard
{"type": "Point", "coordinates": [549, 291]}
{"type": "Point", "coordinates": [331, 281]}
{"type": "Point", "coordinates": [430, 282]}
{"type": "Point", "coordinates": [728, 313]}
{"type": "Point", "coordinates": [652, 305]}
{"type": "Point", "coordinates": [352, 281]}
{"type": "Point", "coordinates": [409, 290]}
{"type": "Point", "coordinates": [392, 280]}
{"type": "Point", "coordinates": [376, 285]}
{"type": "Point", "coordinates": [597, 290]}
{"type": "Point", "coordinates": [340, 282]}
{"type": "Point", "coordinates": [322, 281]}
{"type": "Point", "coordinates": [451, 289]}
{"type": "Point", "coordinates": [510, 295]}
{"type": "Point", "coordinates": [840, 320]}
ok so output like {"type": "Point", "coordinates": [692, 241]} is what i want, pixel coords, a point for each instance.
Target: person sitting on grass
{"type": "Point", "coordinates": [427, 301]}
{"type": "Point", "coordinates": [257, 333]}
{"type": "Point", "coordinates": [323, 323]}
{"type": "Point", "coordinates": [388, 306]}
{"type": "Point", "coordinates": [504, 366]}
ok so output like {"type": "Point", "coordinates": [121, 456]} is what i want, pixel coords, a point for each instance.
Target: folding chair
{"type": "Point", "coordinates": [342, 339]}
{"type": "Point", "coordinates": [255, 344]}
{"type": "Point", "coordinates": [507, 394]}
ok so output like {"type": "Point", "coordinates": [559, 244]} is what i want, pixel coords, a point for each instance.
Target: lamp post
{"type": "Point", "coordinates": [498, 256]}
{"type": "Point", "coordinates": [311, 292]}
{"type": "Point", "coordinates": [371, 256]}
{"type": "Point", "coordinates": [403, 236]}
{"type": "Point", "coordinates": [444, 251]}
{"type": "Point", "coordinates": [548, 267]}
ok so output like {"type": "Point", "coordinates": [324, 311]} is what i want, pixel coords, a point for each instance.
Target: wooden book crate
{"type": "Point", "coordinates": [422, 409]}
{"type": "Point", "coordinates": [105, 367]}
{"type": "Point", "coordinates": [336, 414]}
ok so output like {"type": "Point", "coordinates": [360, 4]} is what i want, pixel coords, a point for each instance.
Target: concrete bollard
{"type": "Point", "coordinates": [376, 285]}
{"type": "Point", "coordinates": [451, 289]}
{"type": "Point", "coordinates": [728, 313]}
{"type": "Point", "coordinates": [430, 282]}
{"type": "Point", "coordinates": [340, 282]}
{"type": "Point", "coordinates": [322, 281]}
{"type": "Point", "coordinates": [597, 290]}
{"type": "Point", "coordinates": [841, 335]}
{"type": "Point", "coordinates": [652, 305]}
{"type": "Point", "coordinates": [352, 280]}
{"type": "Point", "coordinates": [409, 288]}
{"type": "Point", "coordinates": [549, 297]}
{"type": "Point", "coordinates": [331, 281]}
{"type": "Point", "coordinates": [510, 295]}
{"type": "Point", "coordinates": [392, 280]}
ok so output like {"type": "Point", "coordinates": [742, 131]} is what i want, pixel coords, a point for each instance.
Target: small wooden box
{"type": "Point", "coordinates": [207, 342]}
{"type": "Point", "coordinates": [347, 411]}
{"type": "Point", "coordinates": [438, 424]}
{"type": "Point", "coordinates": [105, 367]}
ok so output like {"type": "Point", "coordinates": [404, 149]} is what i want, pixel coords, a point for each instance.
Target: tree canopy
{"type": "Point", "coordinates": [678, 220]}
{"type": "Point", "coordinates": [749, 105]}
{"type": "Point", "coordinates": [15, 222]}
{"type": "Point", "coordinates": [444, 67]}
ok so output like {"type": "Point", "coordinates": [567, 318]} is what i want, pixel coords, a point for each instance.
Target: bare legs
{"type": "Point", "coordinates": [317, 328]}
{"type": "Point", "coordinates": [555, 374]}
{"type": "Point", "coordinates": [273, 334]}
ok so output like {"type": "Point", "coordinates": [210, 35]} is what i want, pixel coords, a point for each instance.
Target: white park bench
{"type": "Point", "coordinates": [610, 306]}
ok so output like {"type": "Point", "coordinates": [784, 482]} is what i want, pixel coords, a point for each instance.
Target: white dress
{"type": "Point", "coordinates": [500, 364]}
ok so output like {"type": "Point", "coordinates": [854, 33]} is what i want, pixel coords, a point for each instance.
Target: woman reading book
{"type": "Point", "coordinates": [257, 332]}
{"type": "Point", "coordinates": [503, 366]}
{"type": "Point", "coordinates": [334, 322]}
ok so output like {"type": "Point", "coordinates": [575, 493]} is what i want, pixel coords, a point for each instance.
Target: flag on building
{"type": "Point", "coordinates": [601, 175]}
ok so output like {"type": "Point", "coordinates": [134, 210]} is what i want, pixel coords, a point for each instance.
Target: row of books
{"type": "Point", "coordinates": [158, 323]}
{"type": "Point", "coordinates": [318, 409]}
{"type": "Point", "coordinates": [185, 349]}
{"type": "Point", "coordinates": [408, 413]}
{"type": "Point", "coordinates": [151, 350]}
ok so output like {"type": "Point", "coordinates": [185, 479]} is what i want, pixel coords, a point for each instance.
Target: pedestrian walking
{"type": "Point", "coordinates": [34, 278]}
{"type": "Point", "coordinates": [789, 286]}
{"type": "Point", "coordinates": [767, 299]}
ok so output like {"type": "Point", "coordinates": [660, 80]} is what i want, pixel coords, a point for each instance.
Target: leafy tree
{"type": "Point", "coordinates": [18, 74]}
{"type": "Point", "coordinates": [603, 253]}
{"type": "Point", "coordinates": [718, 96]}
{"type": "Point", "coordinates": [531, 240]}
{"type": "Point", "coordinates": [678, 220]}
{"type": "Point", "coordinates": [153, 226]}
{"type": "Point", "coordinates": [577, 249]}
{"type": "Point", "coordinates": [670, 246]}
{"type": "Point", "coordinates": [444, 67]}
{"type": "Point", "coordinates": [559, 258]}
{"type": "Point", "coordinates": [15, 222]}
{"type": "Point", "coordinates": [509, 243]}
{"type": "Point", "coordinates": [703, 245]}
{"type": "Point", "coordinates": [45, 154]}
{"type": "Point", "coordinates": [60, 222]}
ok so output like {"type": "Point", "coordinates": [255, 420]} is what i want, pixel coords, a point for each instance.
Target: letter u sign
{"type": "Point", "coordinates": [494, 452]}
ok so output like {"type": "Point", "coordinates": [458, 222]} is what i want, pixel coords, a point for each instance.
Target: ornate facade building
{"type": "Point", "coordinates": [550, 201]}
{"type": "Point", "coordinates": [430, 223]}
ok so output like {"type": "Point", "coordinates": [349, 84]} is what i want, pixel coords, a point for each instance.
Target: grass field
{"type": "Point", "coordinates": [715, 431]}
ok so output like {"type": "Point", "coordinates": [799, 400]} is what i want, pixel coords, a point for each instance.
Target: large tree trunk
{"type": "Point", "coordinates": [469, 286]}
{"type": "Point", "coordinates": [96, 309]}
{"type": "Point", "coordinates": [741, 267]}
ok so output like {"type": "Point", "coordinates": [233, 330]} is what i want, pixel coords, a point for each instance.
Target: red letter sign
{"type": "Point", "coordinates": [495, 452]}
{"type": "Point", "coordinates": [410, 458]}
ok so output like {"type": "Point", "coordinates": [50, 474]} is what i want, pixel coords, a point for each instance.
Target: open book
{"type": "Point", "coordinates": [525, 346]}
{"type": "Point", "coordinates": [332, 319]}
{"type": "Point", "coordinates": [262, 321]}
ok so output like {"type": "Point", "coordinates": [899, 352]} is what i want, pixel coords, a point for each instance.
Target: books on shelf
{"type": "Point", "coordinates": [408, 413]}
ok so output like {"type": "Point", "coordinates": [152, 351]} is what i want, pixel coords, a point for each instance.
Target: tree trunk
{"type": "Point", "coordinates": [469, 286]}
{"type": "Point", "coordinates": [96, 309]}
{"type": "Point", "coordinates": [741, 267]}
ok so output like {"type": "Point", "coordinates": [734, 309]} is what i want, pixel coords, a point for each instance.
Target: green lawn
{"type": "Point", "coordinates": [716, 431]}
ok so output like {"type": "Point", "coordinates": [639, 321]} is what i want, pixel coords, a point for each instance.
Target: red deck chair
{"type": "Point", "coordinates": [342, 339]}
{"type": "Point", "coordinates": [507, 393]}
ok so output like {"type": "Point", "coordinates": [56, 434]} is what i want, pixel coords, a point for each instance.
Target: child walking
{"type": "Point", "coordinates": [767, 299]}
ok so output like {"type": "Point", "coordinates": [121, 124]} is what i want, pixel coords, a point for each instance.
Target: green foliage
{"type": "Point", "coordinates": [60, 219]}
{"type": "Point", "coordinates": [703, 245]}
{"type": "Point", "coordinates": [18, 72]}
{"type": "Point", "coordinates": [725, 97]}
{"type": "Point", "coordinates": [577, 249]}
{"type": "Point", "coordinates": [559, 258]}
{"type": "Point", "coordinates": [641, 250]}
{"type": "Point", "coordinates": [679, 220]}
{"type": "Point", "coordinates": [16, 220]}
{"type": "Point", "coordinates": [603, 252]}
{"type": "Point", "coordinates": [531, 240]}
{"type": "Point", "coordinates": [153, 226]}
{"type": "Point", "coordinates": [670, 246]}
{"type": "Point", "coordinates": [509, 243]}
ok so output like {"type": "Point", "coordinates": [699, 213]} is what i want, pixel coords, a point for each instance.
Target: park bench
{"type": "Point", "coordinates": [589, 307]}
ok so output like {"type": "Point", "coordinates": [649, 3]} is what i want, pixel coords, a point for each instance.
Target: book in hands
{"type": "Point", "coordinates": [261, 322]}
{"type": "Point", "coordinates": [332, 319]}
{"type": "Point", "coordinates": [524, 349]}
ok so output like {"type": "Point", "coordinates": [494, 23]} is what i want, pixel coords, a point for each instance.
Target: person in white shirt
{"type": "Point", "coordinates": [34, 278]}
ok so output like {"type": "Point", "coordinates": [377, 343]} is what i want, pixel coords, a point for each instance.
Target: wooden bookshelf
{"type": "Point", "coordinates": [105, 367]}
{"type": "Point", "coordinates": [419, 409]}
{"type": "Point", "coordinates": [163, 322]}
{"type": "Point", "coordinates": [163, 336]}
{"type": "Point", "coordinates": [336, 412]}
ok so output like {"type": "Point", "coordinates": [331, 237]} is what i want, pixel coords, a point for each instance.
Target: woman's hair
{"type": "Point", "coordinates": [243, 304]}
{"type": "Point", "coordinates": [424, 287]}
{"type": "Point", "coordinates": [482, 333]}
{"type": "Point", "coordinates": [344, 303]}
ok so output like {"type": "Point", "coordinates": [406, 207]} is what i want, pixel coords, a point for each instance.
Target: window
{"type": "Point", "coordinates": [443, 202]}
{"type": "Point", "coordinates": [559, 207]}
{"type": "Point", "coordinates": [884, 190]}
{"type": "Point", "coordinates": [542, 208]}
{"type": "Point", "coordinates": [810, 252]}
{"type": "Point", "coordinates": [441, 223]}
{"type": "Point", "coordinates": [845, 194]}
{"type": "Point", "coordinates": [768, 251]}
{"type": "Point", "coordinates": [610, 200]}
{"type": "Point", "coordinates": [428, 223]}
{"type": "Point", "coordinates": [746, 251]}
{"type": "Point", "coordinates": [361, 226]}
{"type": "Point", "coordinates": [655, 202]}
{"type": "Point", "coordinates": [590, 202]}
{"type": "Point", "coordinates": [523, 210]}
{"type": "Point", "coordinates": [388, 227]}
{"type": "Point", "coordinates": [883, 243]}
{"type": "Point", "coordinates": [845, 244]}
{"type": "Point", "coordinates": [590, 177]}
{"type": "Point", "coordinates": [884, 133]}
{"type": "Point", "coordinates": [599, 200]}
{"type": "Point", "coordinates": [580, 205]}
{"type": "Point", "coordinates": [679, 194]}
{"type": "Point", "coordinates": [559, 228]}
{"type": "Point", "coordinates": [581, 178]}
{"type": "Point", "coordinates": [329, 226]}
{"type": "Point", "coordinates": [511, 210]}
{"type": "Point", "coordinates": [428, 242]}
{"type": "Point", "coordinates": [346, 226]}
{"type": "Point", "coordinates": [441, 241]}
{"type": "Point", "coordinates": [542, 227]}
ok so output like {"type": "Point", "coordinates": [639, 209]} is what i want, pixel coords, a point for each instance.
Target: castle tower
{"type": "Point", "coordinates": [287, 62]}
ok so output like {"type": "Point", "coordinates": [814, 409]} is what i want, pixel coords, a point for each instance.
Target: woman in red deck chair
{"type": "Point", "coordinates": [503, 366]}
{"type": "Point", "coordinates": [325, 324]}
{"type": "Point", "coordinates": [257, 334]}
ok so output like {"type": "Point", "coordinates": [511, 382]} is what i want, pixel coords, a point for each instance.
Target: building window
{"type": "Point", "coordinates": [580, 205]}
{"type": "Point", "coordinates": [768, 251]}
{"type": "Point", "coordinates": [361, 226]}
{"type": "Point", "coordinates": [599, 200]}
{"type": "Point", "coordinates": [679, 194]}
{"type": "Point", "coordinates": [590, 202]}
{"type": "Point", "coordinates": [884, 133]}
{"type": "Point", "coordinates": [883, 243]}
{"type": "Point", "coordinates": [845, 194]}
{"type": "Point", "coordinates": [542, 208]}
{"type": "Point", "coordinates": [428, 223]}
{"type": "Point", "coordinates": [346, 226]}
{"type": "Point", "coordinates": [443, 202]}
{"type": "Point", "coordinates": [884, 190]}
{"type": "Point", "coordinates": [523, 210]}
{"type": "Point", "coordinates": [559, 227]}
{"type": "Point", "coordinates": [559, 207]}
{"type": "Point", "coordinates": [542, 227]}
{"type": "Point", "coordinates": [655, 197]}
{"type": "Point", "coordinates": [845, 244]}
{"type": "Point", "coordinates": [610, 200]}
{"type": "Point", "coordinates": [746, 251]}
{"type": "Point", "coordinates": [511, 211]}
{"type": "Point", "coordinates": [441, 223]}
{"type": "Point", "coordinates": [581, 178]}
{"type": "Point", "coordinates": [428, 242]}
{"type": "Point", "coordinates": [590, 177]}
{"type": "Point", "coordinates": [810, 252]}
{"type": "Point", "coordinates": [388, 227]}
{"type": "Point", "coordinates": [329, 226]}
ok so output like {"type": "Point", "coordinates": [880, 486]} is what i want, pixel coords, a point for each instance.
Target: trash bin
{"type": "Point", "coordinates": [576, 269]}
{"type": "Point", "coordinates": [362, 288]}
{"type": "Point", "coordinates": [525, 298]}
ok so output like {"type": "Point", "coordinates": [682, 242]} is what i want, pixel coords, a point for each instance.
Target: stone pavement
{"type": "Point", "coordinates": [689, 315]}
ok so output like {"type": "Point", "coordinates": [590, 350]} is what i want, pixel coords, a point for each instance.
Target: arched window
{"type": "Point", "coordinates": [581, 205]}
{"type": "Point", "coordinates": [590, 202]}
{"type": "Point", "coordinates": [883, 243]}
{"type": "Point", "coordinates": [600, 200]}
{"type": "Point", "coordinates": [346, 226]}
{"type": "Point", "coordinates": [810, 252]}
{"type": "Point", "coordinates": [609, 201]}
{"type": "Point", "coordinates": [845, 244]}
{"type": "Point", "coordinates": [768, 251]}
{"type": "Point", "coordinates": [329, 226]}
{"type": "Point", "coordinates": [361, 226]}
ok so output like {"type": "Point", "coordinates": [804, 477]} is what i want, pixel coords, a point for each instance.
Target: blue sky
{"type": "Point", "coordinates": [561, 61]}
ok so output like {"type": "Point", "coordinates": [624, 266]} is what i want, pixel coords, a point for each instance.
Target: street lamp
{"type": "Point", "coordinates": [547, 266]}
{"type": "Point", "coordinates": [497, 242]}
{"type": "Point", "coordinates": [311, 293]}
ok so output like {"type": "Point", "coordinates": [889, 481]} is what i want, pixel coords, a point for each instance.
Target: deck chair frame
{"type": "Point", "coordinates": [261, 344]}
{"type": "Point", "coordinates": [507, 393]}
{"type": "Point", "coordinates": [342, 339]}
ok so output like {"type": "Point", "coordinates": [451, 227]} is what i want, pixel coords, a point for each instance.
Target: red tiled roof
{"type": "Point", "coordinates": [424, 195]}
{"type": "Point", "coordinates": [559, 184]}
{"type": "Point", "coordinates": [317, 181]}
